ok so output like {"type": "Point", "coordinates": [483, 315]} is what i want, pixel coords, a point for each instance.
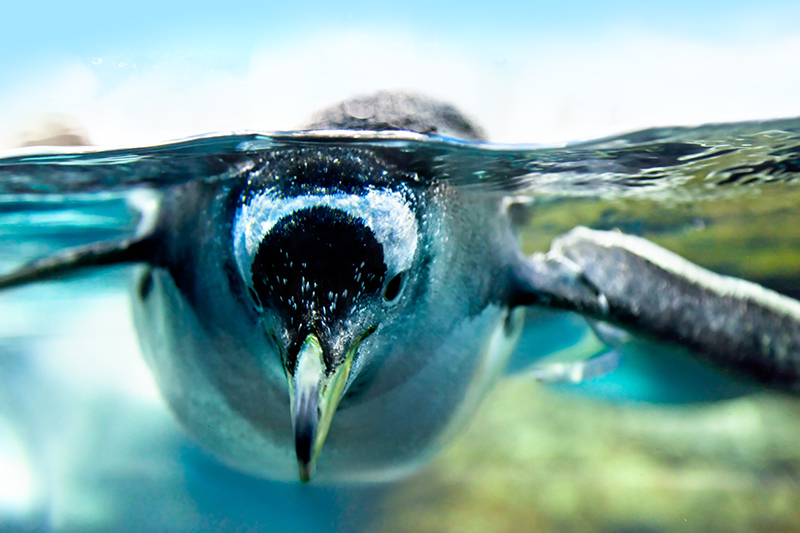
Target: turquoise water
{"type": "Point", "coordinates": [87, 445]}
{"type": "Point", "coordinates": [96, 450]}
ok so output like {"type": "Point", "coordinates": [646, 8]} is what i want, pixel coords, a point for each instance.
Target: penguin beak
{"type": "Point", "coordinates": [314, 396]}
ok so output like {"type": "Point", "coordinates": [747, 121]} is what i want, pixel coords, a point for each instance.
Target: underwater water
{"type": "Point", "coordinates": [661, 444]}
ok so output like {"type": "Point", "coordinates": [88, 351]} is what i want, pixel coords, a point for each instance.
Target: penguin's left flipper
{"type": "Point", "coordinates": [72, 260]}
{"type": "Point", "coordinates": [131, 247]}
{"type": "Point", "coordinates": [736, 326]}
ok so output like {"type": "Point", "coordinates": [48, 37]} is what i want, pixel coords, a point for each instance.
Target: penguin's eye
{"type": "Point", "coordinates": [393, 288]}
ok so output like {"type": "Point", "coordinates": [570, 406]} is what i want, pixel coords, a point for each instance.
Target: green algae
{"type": "Point", "coordinates": [753, 234]}
{"type": "Point", "coordinates": [539, 460]}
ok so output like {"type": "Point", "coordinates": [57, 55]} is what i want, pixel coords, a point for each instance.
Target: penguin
{"type": "Point", "coordinates": [334, 302]}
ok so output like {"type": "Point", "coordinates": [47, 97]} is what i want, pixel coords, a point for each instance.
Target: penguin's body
{"type": "Point", "coordinates": [219, 365]}
{"type": "Point", "coordinates": [337, 289]}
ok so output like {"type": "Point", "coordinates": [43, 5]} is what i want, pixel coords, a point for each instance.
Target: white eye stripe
{"type": "Point", "coordinates": [388, 214]}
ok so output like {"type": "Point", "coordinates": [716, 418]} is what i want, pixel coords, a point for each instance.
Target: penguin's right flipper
{"type": "Point", "coordinates": [737, 326]}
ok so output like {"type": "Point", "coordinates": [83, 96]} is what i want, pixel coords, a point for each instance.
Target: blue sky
{"type": "Point", "coordinates": [530, 71]}
{"type": "Point", "coordinates": [93, 27]}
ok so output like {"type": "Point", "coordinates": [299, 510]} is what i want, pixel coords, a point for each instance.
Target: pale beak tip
{"type": "Point", "coordinates": [306, 470]}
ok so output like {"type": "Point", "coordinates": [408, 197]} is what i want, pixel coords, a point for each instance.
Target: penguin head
{"type": "Point", "coordinates": [325, 243]}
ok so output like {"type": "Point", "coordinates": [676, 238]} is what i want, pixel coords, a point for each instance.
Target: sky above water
{"type": "Point", "coordinates": [148, 71]}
